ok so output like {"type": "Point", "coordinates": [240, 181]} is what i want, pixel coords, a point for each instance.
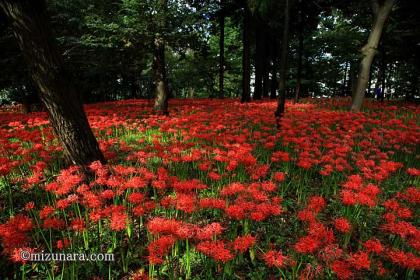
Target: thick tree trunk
{"type": "Point", "coordinates": [222, 51]}
{"type": "Point", "coordinates": [67, 117]}
{"type": "Point", "coordinates": [300, 52]}
{"type": "Point", "coordinates": [246, 57]}
{"type": "Point", "coordinates": [381, 12]}
{"type": "Point", "coordinates": [159, 66]}
{"type": "Point", "coordinates": [283, 64]}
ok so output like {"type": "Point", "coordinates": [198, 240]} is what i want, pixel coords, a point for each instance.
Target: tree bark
{"type": "Point", "coordinates": [380, 12]}
{"type": "Point", "coordinates": [300, 52]}
{"type": "Point", "coordinates": [383, 72]}
{"type": "Point", "coordinates": [266, 63]}
{"type": "Point", "coordinates": [159, 66]}
{"type": "Point", "coordinates": [222, 51]}
{"type": "Point", "coordinates": [343, 91]}
{"type": "Point", "coordinates": [274, 81]}
{"type": "Point", "coordinates": [246, 57]}
{"type": "Point", "coordinates": [31, 27]}
{"type": "Point", "coordinates": [283, 64]}
{"type": "Point", "coordinates": [259, 59]}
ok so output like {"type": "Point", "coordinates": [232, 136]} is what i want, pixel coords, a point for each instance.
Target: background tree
{"type": "Point", "coordinates": [283, 62]}
{"type": "Point", "coordinates": [381, 10]}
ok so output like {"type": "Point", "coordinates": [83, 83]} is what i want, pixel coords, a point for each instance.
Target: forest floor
{"type": "Point", "coordinates": [216, 191]}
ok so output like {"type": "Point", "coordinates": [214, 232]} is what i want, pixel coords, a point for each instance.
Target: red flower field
{"type": "Point", "coordinates": [216, 191]}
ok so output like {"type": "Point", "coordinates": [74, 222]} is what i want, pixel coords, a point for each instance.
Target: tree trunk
{"type": "Point", "coordinates": [159, 66]}
{"type": "Point", "coordinates": [246, 57]}
{"type": "Point", "coordinates": [369, 87]}
{"type": "Point", "coordinates": [383, 72]}
{"type": "Point", "coordinates": [283, 64]}
{"type": "Point", "coordinates": [346, 66]}
{"type": "Point", "coordinates": [134, 88]}
{"type": "Point", "coordinates": [31, 27]}
{"type": "Point", "coordinates": [259, 59]}
{"type": "Point", "coordinates": [381, 12]}
{"type": "Point", "coordinates": [222, 51]}
{"type": "Point", "coordinates": [300, 53]}
{"type": "Point", "coordinates": [266, 63]}
{"type": "Point", "coordinates": [274, 81]}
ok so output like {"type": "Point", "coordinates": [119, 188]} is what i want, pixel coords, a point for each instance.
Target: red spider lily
{"type": "Point", "coordinates": [136, 198]}
{"type": "Point", "coordinates": [342, 225]}
{"type": "Point", "coordinates": [307, 244]}
{"type": "Point", "coordinates": [316, 203]}
{"type": "Point", "coordinates": [330, 253]}
{"type": "Point", "coordinates": [342, 269]}
{"type": "Point", "coordinates": [159, 248]}
{"type": "Point", "coordinates": [243, 243]}
{"type": "Point", "coordinates": [216, 250]}
{"type": "Point", "coordinates": [359, 260]}
{"type": "Point", "coordinates": [14, 232]}
{"type": "Point", "coordinates": [119, 218]}
{"type": "Point", "coordinates": [373, 246]}
{"type": "Point", "coordinates": [53, 223]}
{"type": "Point", "coordinates": [209, 231]}
{"type": "Point", "coordinates": [78, 225]}
{"type": "Point", "coordinates": [408, 260]}
{"type": "Point", "coordinates": [274, 258]}
{"type": "Point", "coordinates": [212, 203]}
{"type": "Point", "coordinates": [62, 244]}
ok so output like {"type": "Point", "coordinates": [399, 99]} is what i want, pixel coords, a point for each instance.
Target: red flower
{"type": "Point", "coordinates": [243, 243]}
{"type": "Point", "coordinates": [342, 225]}
{"type": "Point", "coordinates": [62, 244]}
{"type": "Point", "coordinates": [373, 246]}
{"type": "Point", "coordinates": [413, 171]}
{"type": "Point", "coordinates": [359, 260]}
{"type": "Point", "coordinates": [316, 203]}
{"type": "Point", "coordinates": [279, 176]}
{"type": "Point", "coordinates": [274, 258]}
{"type": "Point", "coordinates": [136, 198]}
{"type": "Point", "coordinates": [215, 250]}
{"type": "Point", "coordinates": [78, 224]}
{"type": "Point", "coordinates": [159, 248]}
{"type": "Point", "coordinates": [118, 219]}
{"type": "Point", "coordinates": [46, 211]}
{"type": "Point", "coordinates": [307, 244]}
{"type": "Point", "coordinates": [342, 269]}
{"type": "Point", "coordinates": [53, 223]}
{"type": "Point", "coordinates": [185, 202]}
{"type": "Point", "coordinates": [209, 231]}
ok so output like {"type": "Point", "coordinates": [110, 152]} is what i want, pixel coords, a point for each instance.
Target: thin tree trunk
{"type": "Point", "coordinates": [383, 72]}
{"type": "Point", "coordinates": [369, 87]}
{"type": "Point", "coordinates": [266, 63]}
{"type": "Point", "coordinates": [222, 51]}
{"type": "Point", "coordinates": [31, 27]}
{"type": "Point", "coordinates": [283, 64]}
{"type": "Point", "coordinates": [300, 53]}
{"type": "Point", "coordinates": [381, 12]}
{"type": "Point", "coordinates": [134, 88]}
{"type": "Point", "coordinates": [246, 57]}
{"type": "Point", "coordinates": [159, 66]}
{"type": "Point", "coordinates": [274, 81]}
{"type": "Point", "coordinates": [346, 66]}
{"type": "Point", "coordinates": [259, 59]}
